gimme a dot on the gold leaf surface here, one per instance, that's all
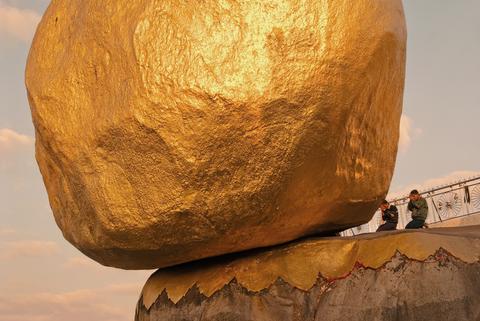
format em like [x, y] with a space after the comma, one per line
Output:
[170, 131]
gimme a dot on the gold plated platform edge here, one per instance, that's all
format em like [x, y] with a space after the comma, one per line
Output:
[301, 263]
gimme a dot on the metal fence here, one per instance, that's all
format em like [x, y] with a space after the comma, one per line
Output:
[445, 203]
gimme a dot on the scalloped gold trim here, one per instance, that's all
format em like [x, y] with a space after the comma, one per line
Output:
[300, 263]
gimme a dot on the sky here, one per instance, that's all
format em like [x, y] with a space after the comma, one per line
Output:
[43, 278]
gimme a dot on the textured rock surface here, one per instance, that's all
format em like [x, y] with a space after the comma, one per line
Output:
[441, 288]
[395, 276]
[169, 131]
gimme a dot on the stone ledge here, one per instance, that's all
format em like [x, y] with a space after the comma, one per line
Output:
[440, 288]
[301, 263]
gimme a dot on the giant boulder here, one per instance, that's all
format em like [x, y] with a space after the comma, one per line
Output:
[169, 131]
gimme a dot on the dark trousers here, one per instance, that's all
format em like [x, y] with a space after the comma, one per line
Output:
[388, 226]
[415, 223]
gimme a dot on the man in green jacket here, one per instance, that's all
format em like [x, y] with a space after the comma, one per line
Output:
[419, 208]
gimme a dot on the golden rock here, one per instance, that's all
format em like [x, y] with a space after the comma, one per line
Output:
[169, 131]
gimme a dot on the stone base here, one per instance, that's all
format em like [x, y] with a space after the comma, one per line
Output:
[439, 287]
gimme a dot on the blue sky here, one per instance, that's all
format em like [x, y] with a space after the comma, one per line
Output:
[46, 279]
[442, 96]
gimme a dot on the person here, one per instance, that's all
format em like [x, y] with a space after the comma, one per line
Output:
[389, 216]
[419, 208]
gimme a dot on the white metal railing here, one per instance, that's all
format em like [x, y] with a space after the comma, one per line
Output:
[445, 202]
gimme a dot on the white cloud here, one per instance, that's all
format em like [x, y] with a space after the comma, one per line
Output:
[125, 289]
[407, 133]
[74, 306]
[451, 178]
[88, 304]
[7, 231]
[27, 249]
[18, 23]
[10, 138]
[82, 262]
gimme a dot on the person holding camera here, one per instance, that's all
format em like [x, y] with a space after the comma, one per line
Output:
[389, 216]
[419, 208]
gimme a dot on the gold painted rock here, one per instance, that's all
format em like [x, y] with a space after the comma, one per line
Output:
[169, 131]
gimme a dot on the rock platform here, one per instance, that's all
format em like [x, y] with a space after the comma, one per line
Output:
[430, 274]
